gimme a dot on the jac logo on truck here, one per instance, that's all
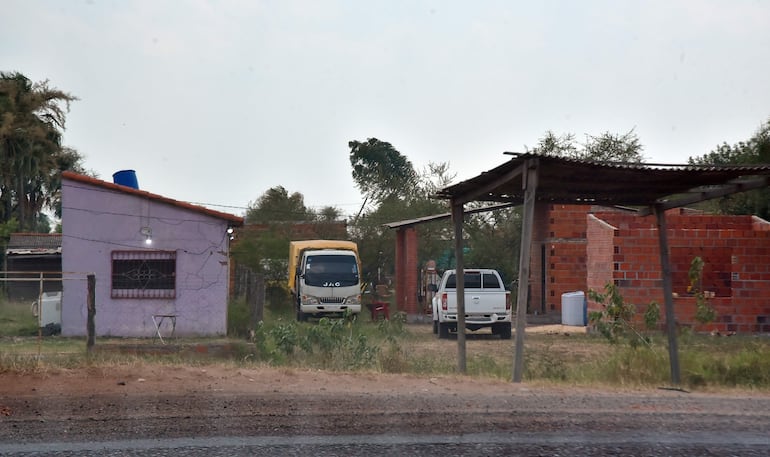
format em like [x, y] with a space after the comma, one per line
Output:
[332, 284]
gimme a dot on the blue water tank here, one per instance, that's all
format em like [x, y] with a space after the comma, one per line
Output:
[125, 178]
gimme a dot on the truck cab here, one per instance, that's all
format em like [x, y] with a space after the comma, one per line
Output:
[325, 278]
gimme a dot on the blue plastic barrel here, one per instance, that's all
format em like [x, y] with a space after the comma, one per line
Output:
[125, 178]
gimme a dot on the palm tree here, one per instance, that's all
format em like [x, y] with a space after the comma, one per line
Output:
[32, 117]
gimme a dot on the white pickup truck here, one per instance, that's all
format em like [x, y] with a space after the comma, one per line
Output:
[487, 303]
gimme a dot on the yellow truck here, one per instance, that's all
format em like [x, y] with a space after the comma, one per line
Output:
[324, 277]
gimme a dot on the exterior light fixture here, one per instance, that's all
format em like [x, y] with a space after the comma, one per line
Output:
[147, 232]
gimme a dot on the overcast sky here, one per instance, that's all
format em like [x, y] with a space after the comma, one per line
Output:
[217, 101]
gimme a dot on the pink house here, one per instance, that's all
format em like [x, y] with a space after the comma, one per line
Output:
[151, 256]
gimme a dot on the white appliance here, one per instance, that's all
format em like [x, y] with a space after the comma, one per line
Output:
[49, 310]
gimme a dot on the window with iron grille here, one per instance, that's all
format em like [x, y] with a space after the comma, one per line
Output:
[143, 274]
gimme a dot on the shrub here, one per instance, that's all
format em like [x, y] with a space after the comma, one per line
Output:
[614, 320]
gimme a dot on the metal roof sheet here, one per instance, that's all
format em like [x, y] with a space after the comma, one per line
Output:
[564, 180]
[34, 241]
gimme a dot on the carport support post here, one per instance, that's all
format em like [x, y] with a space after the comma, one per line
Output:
[668, 296]
[457, 218]
[529, 183]
[91, 308]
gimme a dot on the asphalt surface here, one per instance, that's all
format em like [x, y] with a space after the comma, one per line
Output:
[522, 421]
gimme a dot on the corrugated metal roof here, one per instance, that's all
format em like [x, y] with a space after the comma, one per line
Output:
[564, 180]
[34, 241]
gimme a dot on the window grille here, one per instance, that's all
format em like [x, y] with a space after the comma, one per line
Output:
[143, 274]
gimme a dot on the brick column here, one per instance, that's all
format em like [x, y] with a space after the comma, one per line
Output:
[407, 271]
[400, 266]
[408, 301]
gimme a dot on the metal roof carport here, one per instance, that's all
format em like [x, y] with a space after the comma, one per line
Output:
[531, 178]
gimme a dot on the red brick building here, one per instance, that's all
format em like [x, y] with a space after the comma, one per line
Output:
[580, 247]
[583, 247]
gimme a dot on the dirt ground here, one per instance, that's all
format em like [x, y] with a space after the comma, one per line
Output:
[152, 378]
[144, 400]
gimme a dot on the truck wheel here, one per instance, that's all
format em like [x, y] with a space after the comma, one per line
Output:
[443, 330]
[435, 327]
[504, 330]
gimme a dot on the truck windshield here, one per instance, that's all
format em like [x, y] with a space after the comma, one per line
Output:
[331, 271]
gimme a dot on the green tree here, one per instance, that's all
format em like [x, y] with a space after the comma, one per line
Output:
[380, 171]
[329, 214]
[276, 205]
[494, 241]
[557, 145]
[32, 119]
[607, 147]
[755, 150]
[411, 199]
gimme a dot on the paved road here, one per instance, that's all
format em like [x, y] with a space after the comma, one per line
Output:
[526, 444]
[527, 422]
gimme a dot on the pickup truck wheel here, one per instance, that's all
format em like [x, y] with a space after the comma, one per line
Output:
[443, 330]
[504, 330]
[435, 327]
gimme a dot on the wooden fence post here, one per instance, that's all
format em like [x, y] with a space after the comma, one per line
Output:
[91, 305]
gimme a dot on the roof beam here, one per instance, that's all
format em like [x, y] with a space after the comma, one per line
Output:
[497, 182]
[717, 192]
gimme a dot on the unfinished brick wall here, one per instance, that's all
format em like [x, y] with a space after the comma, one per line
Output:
[735, 251]
[558, 256]
[600, 257]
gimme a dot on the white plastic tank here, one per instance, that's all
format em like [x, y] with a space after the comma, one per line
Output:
[49, 312]
[574, 310]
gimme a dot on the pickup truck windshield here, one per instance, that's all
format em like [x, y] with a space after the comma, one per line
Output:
[331, 271]
[475, 280]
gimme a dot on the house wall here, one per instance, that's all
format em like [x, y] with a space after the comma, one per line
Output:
[97, 221]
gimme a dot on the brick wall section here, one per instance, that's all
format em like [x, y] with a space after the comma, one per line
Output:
[735, 249]
[600, 255]
[400, 263]
[540, 229]
[759, 224]
[559, 237]
[408, 301]
[407, 272]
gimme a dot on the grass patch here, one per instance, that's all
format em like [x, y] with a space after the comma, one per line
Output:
[356, 343]
[16, 319]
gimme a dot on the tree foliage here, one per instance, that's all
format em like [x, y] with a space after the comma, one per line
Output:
[494, 240]
[606, 147]
[276, 204]
[755, 150]
[411, 199]
[32, 119]
[380, 171]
